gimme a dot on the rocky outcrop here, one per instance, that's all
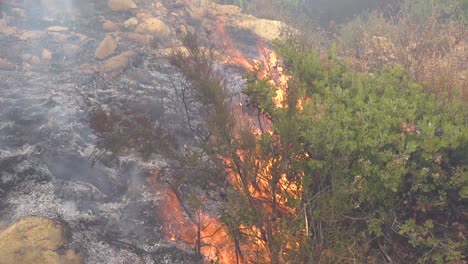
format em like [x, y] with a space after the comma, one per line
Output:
[34, 240]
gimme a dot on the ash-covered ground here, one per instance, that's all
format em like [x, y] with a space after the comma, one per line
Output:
[55, 75]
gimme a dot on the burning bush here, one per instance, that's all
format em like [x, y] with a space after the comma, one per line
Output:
[378, 163]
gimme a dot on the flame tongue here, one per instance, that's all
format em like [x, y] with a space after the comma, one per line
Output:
[236, 57]
[274, 70]
[216, 243]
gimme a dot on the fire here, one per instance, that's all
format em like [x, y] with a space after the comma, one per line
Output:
[228, 45]
[210, 231]
[214, 236]
[275, 71]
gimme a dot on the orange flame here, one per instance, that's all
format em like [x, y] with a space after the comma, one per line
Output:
[213, 234]
[176, 225]
[228, 45]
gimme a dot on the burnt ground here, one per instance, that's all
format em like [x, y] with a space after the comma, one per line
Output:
[46, 144]
[73, 141]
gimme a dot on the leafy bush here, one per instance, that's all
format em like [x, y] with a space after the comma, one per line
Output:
[378, 160]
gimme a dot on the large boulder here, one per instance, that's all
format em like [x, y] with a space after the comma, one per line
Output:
[121, 5]
[36, 240]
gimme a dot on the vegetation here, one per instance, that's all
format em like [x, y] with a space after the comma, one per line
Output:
[382, 164]
[366, 160]
[357, 167]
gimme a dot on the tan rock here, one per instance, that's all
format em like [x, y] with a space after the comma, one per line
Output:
[32, 35]
[121, 5]
[26, 57]
[81, 37]
[35, 60]
[46, 56]
[267, 29]
[131, 23]
[143, 15]
[160, 8]
[114, 66]
[57, 28]
[182, 30]
[107, 47]
[139, 38]
[59, 36]
[35, 240]
[8, 31]
[153, 26]
[227, 9]
[18, 13]
[110, 26]
[196, 11]
[88, 68]
[6, 65]
[167, 52]
[71, 50]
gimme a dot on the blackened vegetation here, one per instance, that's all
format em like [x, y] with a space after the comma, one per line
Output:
[203, 93]
[203, 97]
[120, 130]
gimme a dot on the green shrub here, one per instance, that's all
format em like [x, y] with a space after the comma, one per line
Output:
[380, 152]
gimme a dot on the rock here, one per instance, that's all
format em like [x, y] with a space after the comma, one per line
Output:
[196, 11]
[26, 57]
[227, 9]
[32, 35]
[182, 30]
[110, 26]
[160, 9]
[267, 29]
[139, 38]
[107, 47]
[141, 16]
[71, 50]
[80, 36]
[59, 36]
[114, 66]
[88, 68]
[153, 26]
[167, 52]
[35, 240]
[46, 56]
[131, 23]
[6, 65]
[57, 29]
[8, 31]
[121, 5]
[35, 60]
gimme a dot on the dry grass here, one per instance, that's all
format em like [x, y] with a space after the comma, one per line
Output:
[434, 53]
